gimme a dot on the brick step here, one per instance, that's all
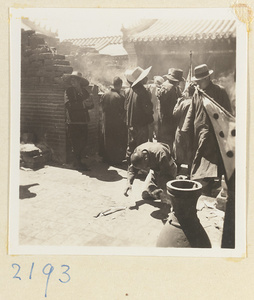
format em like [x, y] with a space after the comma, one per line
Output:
[59, 62]
[59, 56]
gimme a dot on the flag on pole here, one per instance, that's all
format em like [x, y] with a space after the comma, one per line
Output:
[188, 79]
[224, 128]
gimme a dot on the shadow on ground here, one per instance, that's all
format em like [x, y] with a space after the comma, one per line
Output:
[101, 172]
[24, 192]
[97, 169]
[160, 214]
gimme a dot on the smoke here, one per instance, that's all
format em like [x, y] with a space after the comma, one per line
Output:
[100, 70]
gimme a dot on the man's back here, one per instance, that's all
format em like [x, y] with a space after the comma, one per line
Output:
[113, 105]
[167, 94]
[219, 94]
[159, 154]
[139, 106]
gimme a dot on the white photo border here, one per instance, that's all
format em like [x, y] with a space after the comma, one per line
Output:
[241, 121]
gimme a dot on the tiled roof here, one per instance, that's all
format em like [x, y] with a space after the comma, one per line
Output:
[165, 30]
[27, 24]
[97, 42]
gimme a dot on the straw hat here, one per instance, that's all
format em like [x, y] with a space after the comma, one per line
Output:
[201, 72]
[136, 75]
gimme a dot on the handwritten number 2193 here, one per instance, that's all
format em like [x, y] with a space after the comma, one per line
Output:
[47, 270]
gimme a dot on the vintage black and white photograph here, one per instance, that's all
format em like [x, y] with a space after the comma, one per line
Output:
[127, 132]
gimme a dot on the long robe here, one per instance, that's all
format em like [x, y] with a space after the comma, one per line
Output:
[139, 110]
[167, 95]
[113, 127]
[207, 161]
[77, 105]
[182, 145]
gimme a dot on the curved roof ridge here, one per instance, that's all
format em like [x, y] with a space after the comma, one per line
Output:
[177, 29]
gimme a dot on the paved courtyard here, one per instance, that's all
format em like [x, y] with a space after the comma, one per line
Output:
[61, 207]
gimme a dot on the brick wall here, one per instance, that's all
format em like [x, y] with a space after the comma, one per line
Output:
[42, 97]
[42, 113]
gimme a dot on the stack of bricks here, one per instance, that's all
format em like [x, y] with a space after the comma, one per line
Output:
[40, 64]
[31, 157]
[42, 92]
[42, 96]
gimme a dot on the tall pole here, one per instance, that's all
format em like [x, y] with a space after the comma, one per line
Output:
[190, 64]
[189, 77]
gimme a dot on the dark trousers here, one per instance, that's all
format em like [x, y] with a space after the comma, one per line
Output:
[154, 180]
[78, 134]
[166, 134]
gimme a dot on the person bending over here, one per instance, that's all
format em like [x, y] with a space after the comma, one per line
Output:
[156, 159]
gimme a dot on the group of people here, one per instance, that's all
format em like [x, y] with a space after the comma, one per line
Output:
[144, 113]
[156, 128]
[184, 136]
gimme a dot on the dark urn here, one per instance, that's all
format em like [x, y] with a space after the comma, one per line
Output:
[183, 228]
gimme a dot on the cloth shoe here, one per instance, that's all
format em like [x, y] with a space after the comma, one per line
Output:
[154, 195]
[147, 196]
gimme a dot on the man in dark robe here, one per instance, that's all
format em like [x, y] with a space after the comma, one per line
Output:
[168, 94]
[114, 127]
[77, 104]
[182, 145]
[139, 109]
[208, 162]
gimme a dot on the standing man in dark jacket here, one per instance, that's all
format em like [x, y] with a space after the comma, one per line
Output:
[77, 104]
[168, 95]
[139, 109]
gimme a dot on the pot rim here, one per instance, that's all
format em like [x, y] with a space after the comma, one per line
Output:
[171, 187]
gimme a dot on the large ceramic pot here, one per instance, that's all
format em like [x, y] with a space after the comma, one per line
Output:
[183, 228]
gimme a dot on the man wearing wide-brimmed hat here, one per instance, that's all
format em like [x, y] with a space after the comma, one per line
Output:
[139, 108]
[202, 78]
[168, 95]
[77, 104]
[207, 164]
[67, 78]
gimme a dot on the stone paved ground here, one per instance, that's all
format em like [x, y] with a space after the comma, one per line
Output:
[58, 205]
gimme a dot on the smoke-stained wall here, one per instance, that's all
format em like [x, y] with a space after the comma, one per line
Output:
[218, 55]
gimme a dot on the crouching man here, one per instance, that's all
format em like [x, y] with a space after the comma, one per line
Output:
[156, 159]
